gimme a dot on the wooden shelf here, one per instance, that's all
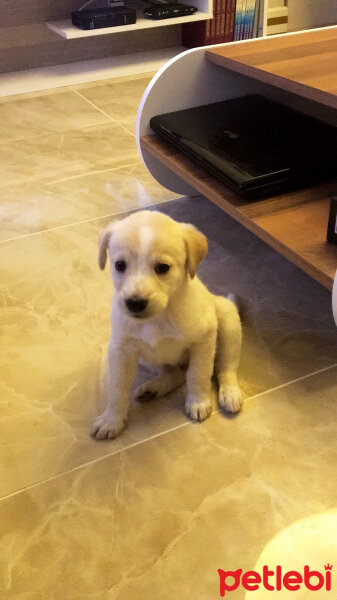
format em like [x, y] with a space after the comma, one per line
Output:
[294, 223]
[304, 64]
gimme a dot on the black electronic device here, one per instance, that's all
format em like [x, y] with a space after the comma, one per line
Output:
[256, 146]
[168, 10]
[110, 16]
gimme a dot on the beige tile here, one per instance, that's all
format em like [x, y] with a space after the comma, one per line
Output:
[74, 88]
[158, 520]
[119, 99]
[62, 155]
[46, 113]
[31, 207]
[35, 94]
[113, 80]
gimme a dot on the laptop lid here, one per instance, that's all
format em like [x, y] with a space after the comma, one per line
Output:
[252, 143]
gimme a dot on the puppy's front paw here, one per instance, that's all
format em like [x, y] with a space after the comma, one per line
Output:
[107, 426]
[198, 409]
[230, 398]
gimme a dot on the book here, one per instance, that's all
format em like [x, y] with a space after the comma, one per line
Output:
[256, 18]
[204, 33]
[212, 24]
[244, 27]
[250, 19]
[218, 22]
[220, 18]
[230, 20]
[222, 21]
[260, 25]
[238, 19]
[196, 34]
[243, 20]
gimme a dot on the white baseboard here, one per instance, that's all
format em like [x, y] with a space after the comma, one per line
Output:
[82, 72]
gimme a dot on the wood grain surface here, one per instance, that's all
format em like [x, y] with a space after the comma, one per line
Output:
[303, 63]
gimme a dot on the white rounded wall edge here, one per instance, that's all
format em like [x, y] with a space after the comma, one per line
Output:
[334, 299]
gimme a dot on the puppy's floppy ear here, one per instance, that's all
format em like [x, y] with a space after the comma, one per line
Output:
[196, 247]
[103, 243]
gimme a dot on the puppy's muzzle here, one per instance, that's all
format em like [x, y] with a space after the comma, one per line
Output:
[136, 305]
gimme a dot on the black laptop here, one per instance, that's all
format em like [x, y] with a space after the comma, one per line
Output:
[255, 145]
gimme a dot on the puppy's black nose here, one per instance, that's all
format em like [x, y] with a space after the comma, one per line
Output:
[136, 305]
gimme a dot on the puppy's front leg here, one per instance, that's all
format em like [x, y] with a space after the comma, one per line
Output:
[122, 368]
[198, 405]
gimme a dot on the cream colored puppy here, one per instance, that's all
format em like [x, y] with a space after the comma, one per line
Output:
[163, 314]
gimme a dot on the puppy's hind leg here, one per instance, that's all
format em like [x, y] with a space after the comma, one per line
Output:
[228, 354]
[168, 379]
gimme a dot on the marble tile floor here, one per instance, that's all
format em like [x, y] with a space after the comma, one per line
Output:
[153, 514]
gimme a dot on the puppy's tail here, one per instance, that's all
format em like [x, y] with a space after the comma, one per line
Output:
[236, 300]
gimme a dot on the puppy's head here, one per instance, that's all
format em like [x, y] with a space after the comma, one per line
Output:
[151, 256]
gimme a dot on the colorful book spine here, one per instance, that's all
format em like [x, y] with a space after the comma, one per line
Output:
[249, 19]
[243, 20]
[238, 19]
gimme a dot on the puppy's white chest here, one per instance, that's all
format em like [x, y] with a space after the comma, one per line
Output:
[153, 333]
[161, 343]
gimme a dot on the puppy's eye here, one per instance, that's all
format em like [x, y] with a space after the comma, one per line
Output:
[120, 265]
[162, 268]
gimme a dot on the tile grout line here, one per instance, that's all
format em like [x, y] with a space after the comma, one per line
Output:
[92, 462]
[48, 133]
[44, 134]
[103, 112]
[89, 173]
[122, 212]
[291, 382]
[160, 434]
